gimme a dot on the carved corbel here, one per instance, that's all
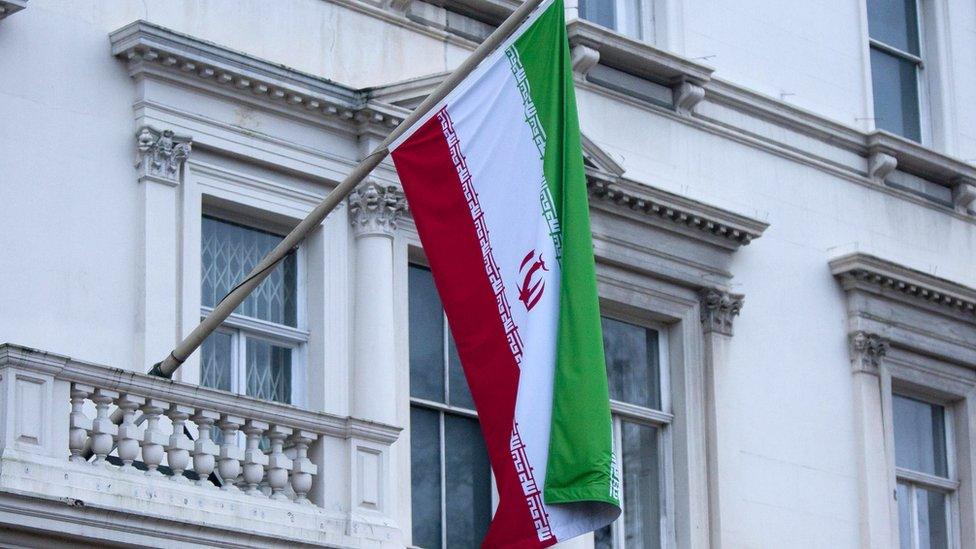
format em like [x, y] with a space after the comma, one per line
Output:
[686, 96]
[375, 208]
[161, 155]
[867, 350]
[880, 165]
[584, 58]
[964, 195]
[718, 309]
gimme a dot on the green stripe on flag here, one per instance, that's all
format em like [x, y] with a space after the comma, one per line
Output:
[581, 459]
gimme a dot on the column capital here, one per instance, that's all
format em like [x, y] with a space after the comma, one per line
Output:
[161, 155]
[718, 309]
[375, 208]
[867, 350]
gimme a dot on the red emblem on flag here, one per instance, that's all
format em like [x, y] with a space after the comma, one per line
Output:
[530, 293]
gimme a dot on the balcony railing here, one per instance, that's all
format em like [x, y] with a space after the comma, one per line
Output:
[121, 441]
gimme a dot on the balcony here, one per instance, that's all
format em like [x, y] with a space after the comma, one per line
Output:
[89, 452]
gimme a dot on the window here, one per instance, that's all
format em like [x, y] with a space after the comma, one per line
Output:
[451, 490]
[639, 399]
[257, 350]
[896, 64]
[624, 16]
[923, 471]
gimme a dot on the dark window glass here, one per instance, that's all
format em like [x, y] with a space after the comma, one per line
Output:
[896, 104]
[268, 371]
[933, 527]
[920, 441]
[426, 336]
[600, 12]
[894, 22]
[215, 361]
[460, 394]
[228, 253]
[642, 491]
[425, 477]
[468, 482]
[633, 367]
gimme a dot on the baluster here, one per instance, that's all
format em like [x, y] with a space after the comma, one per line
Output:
[254, 458]
[229, 465]
[79, 423]
[302, 468]
[204, 449]
[129, 434]
[103, 430]
[153, 439]
[178, 449]
[278, 462]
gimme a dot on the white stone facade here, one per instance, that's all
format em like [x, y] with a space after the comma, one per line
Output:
[803, 267]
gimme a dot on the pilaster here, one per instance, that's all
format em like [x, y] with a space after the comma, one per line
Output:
[160, 160]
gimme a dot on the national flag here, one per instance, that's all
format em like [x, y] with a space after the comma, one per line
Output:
[495, 181]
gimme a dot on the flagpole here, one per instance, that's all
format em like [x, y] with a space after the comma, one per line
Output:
[236, 296]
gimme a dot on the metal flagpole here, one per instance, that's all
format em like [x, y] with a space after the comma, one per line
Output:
[230, 302]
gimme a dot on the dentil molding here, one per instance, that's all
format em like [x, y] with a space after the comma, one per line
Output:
[161, 155]
[718, 309]
[375, 208]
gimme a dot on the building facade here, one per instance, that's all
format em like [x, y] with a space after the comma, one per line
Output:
[783, 201]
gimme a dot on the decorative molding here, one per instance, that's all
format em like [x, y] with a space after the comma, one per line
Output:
[375, 208]
[687, 96]
[718, 226]
[718, 309]
[10, 7]
[880, 165]
[919, 160]
[867, 350]
[879, 276]
[151, 49]
[584, 58]
[161, 155]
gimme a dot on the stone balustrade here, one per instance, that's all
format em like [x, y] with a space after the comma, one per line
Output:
[115, 439]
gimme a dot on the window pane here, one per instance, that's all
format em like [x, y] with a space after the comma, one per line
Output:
[603, 538]
[229, 252]
[894, 22]
[920, 443]
[600, 12]
[632, 363]
[904, 517]
[268, 371]
[932, 524]
[425, 477]
[641, 487]
[629, 18]
[215, 361]
[468, 482]
[895, 85]
[460, 393]
[426, 336]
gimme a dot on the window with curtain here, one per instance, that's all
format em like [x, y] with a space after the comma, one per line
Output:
[624, 16]
[637, 375]
[896, 65]
[255, 351]
[451, 493]
[924, 472]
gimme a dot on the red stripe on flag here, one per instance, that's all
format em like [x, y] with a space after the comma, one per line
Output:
[484, 340]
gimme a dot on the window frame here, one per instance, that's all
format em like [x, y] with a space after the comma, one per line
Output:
[934, 382]
[241, 328]
[649, 30]
[662, 419]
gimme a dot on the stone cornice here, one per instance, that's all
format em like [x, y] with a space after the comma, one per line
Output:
[149, 48]
[10, 7]
[115, 379]
[715, 225]
[879, 276]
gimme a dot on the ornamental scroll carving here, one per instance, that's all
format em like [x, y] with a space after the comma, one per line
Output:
[867, 351]
[161, 155]
[718, 309]
[375, 208]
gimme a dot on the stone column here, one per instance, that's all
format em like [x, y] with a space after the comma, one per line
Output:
[876, 500]
[718, 309]
[374, 208]
[160, 159]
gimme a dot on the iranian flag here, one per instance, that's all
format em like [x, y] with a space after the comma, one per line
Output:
[494, 177]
